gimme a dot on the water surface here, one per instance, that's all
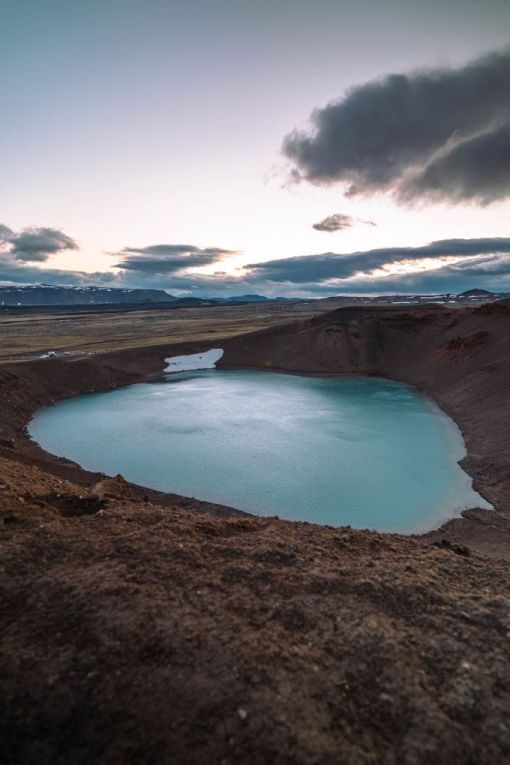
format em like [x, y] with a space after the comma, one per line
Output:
[359, 451]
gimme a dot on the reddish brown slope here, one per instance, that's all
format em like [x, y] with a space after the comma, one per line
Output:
[148, 635]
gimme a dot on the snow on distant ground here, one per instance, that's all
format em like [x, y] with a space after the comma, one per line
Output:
[55, 354]
[205, 360]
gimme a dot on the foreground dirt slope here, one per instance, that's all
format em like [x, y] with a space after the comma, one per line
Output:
[141, 634]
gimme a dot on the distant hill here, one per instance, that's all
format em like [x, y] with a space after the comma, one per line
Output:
[476, 293]
[258, 299]
[53, 295]
[47, 294]
[246, 299]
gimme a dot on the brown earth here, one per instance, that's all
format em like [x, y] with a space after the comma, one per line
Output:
[139, 627]
[27, 333]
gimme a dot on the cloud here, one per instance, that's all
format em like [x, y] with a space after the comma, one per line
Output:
[19, 250]
[489, 272]
[16, 273]
[161, 266]
[422, 134]
[168, 258]
[329, 265]
[34, 244]
[452, 266]
[339, 222]
[494, 276]
[476, 169]
[5, 234]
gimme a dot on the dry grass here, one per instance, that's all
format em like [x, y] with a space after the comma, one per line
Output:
[28, 335]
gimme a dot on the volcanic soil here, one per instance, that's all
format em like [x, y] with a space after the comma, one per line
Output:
[139, 627]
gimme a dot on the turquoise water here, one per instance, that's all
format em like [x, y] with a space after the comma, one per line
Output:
[363, 452]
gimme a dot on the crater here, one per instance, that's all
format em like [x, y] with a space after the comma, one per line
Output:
[355, 451]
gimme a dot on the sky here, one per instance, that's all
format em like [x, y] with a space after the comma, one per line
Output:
[219, 147]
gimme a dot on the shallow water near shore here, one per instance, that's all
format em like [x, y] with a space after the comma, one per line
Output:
[364, 452]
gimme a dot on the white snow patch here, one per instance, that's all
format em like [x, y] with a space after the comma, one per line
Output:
[204, 360]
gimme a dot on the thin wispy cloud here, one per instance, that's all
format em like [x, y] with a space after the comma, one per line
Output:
[330, 265]
[340, 222]
[440, 134]
[169, 258]
[451, 265]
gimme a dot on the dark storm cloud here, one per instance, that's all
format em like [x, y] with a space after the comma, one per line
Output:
[489, 272]
[18, 250]
[339, 222]
[426, 133]
[34, 244]
[476, 169]
[329, 265]
[18, 273]
[168, 258]
[5, 234]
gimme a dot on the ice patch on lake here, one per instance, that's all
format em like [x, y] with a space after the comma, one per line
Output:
[193, 361]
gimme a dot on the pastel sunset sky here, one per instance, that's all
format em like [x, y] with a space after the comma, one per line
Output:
[285, 147]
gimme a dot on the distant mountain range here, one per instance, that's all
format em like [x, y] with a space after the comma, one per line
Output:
[48, 294]
[52, 295]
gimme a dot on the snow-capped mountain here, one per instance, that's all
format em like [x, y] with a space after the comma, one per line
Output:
[49, 294]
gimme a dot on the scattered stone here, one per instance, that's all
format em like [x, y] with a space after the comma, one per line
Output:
[115, 488]
[456, 548]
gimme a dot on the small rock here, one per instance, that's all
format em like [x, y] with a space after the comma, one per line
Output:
[243, 714]
[458, 549]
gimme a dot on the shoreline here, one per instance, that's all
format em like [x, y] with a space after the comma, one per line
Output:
[128, 368]
[17, 445]
[459, 497]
